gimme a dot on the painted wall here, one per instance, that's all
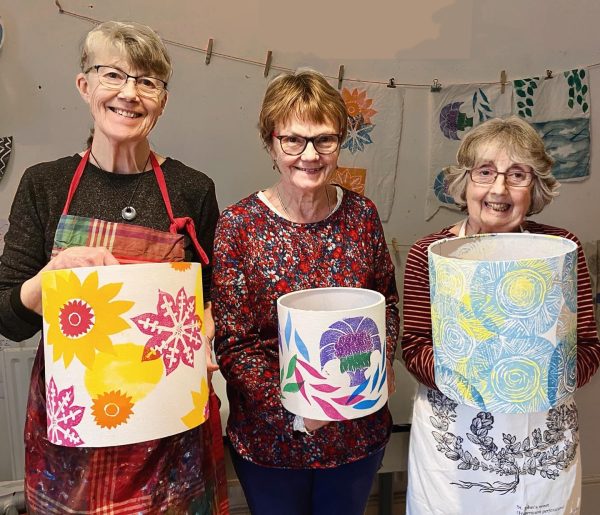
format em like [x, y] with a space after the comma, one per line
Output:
[210, 120]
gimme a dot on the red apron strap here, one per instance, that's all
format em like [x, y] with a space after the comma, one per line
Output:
[177, 224]
[75, 180]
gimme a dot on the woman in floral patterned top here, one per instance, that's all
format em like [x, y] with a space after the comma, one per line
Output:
[300, 233]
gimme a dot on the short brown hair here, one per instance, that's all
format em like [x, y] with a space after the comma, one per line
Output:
[522, 143]
[305, 94]
[138, 43]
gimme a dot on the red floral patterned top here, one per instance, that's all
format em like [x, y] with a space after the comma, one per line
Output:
[258, 257]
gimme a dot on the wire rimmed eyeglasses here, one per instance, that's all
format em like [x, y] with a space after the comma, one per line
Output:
[296, 145]
[114, 78]
[517, 178]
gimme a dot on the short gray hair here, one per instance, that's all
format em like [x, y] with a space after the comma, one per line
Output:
[522, 142]
[138, 43]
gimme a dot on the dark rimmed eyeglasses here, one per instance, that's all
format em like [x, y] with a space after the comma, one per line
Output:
[515, 177]
[114, 78]
[295, 145]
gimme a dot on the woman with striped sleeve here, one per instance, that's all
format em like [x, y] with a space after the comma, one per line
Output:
[462, 457]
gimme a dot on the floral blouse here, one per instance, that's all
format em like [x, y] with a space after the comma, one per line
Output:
[258, 257]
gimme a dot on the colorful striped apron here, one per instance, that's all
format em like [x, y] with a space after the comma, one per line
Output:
[180, 474]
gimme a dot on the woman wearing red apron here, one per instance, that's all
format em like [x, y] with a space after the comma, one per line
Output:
[123, 204]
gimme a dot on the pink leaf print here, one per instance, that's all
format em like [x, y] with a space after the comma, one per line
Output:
[310, 369]
[328, 409]
[348, 400]
[174, 330]
[62, 416]
[300, 381]
[325, 388]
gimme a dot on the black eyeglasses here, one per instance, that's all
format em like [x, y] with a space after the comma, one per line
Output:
[515, 177]
[295, 145]
[114, 78]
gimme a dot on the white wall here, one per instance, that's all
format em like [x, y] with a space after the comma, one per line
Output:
[210, 121]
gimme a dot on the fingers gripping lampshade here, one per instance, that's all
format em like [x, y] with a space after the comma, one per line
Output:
[504, 320]
[332, 352]
[125, 361]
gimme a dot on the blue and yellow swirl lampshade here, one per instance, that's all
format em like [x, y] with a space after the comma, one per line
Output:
[504, 320]
[332, 352]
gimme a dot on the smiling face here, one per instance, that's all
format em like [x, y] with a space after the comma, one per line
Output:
[120, 115]
[310, 170]
[497, 207]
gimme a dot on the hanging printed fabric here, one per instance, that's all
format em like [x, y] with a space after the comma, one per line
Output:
[124, 356]
[369, 154]
[456, 110]
[5, 150]
[559, 109]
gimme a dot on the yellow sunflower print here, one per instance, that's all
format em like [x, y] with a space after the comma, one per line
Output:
[81, 316]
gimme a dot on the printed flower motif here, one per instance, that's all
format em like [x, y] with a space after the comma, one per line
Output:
[440, 189]
[181, 266]
[452, 120]
[562, 375]
[358, 134]
[358, 104]
[112, 409]
[81, 316]
[200, 411]
[350, 178]
[352, 341]
[174, 330]
[512, 373]
[519, 298]
[62, 416]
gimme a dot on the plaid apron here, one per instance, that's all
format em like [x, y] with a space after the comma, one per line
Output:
[179, 474]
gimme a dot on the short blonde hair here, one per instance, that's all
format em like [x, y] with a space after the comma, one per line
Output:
[305, 94]
[138, 43]
[522, 143]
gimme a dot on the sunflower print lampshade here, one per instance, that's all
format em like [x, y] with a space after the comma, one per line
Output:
[125, 360]
[332, 352]
[504, 320]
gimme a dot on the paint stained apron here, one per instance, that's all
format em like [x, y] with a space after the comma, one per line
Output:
[180, 474]
[463, 460]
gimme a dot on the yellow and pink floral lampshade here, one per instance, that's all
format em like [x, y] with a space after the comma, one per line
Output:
[504, 320]
[332, 352]
[125, 361]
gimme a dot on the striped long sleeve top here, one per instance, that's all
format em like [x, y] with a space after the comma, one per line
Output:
[417, 341]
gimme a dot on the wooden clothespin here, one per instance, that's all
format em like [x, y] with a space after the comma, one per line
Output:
[391, 83]
[502, 81]
[395, 246]
[268, 63]
[340, 76]
[209, 49]
[60, 9]
[548, 75]
[436, 86]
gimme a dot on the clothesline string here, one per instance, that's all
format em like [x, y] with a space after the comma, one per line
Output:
[262, 64]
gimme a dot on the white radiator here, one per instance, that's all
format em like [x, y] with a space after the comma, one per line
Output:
[15, 371]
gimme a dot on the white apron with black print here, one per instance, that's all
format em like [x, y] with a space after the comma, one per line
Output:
[462, 460]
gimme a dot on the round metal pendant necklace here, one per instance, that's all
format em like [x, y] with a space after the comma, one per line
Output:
[128, 213]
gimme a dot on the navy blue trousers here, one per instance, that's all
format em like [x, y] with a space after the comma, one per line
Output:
[342, 490]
